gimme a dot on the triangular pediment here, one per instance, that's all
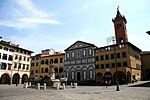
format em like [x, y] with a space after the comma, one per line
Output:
[79, 44]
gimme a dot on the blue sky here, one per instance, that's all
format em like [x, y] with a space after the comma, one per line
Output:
[57, 24]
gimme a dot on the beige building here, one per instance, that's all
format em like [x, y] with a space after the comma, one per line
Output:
[145, 60]
[42, 64]
[14, 63]
[124, 59]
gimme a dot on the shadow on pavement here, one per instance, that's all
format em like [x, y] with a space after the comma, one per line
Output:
[146, 84]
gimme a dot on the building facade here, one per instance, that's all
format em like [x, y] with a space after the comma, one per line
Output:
[42, 64]
[145, 60]
[79, 63]
[14, 63]
[118, 62]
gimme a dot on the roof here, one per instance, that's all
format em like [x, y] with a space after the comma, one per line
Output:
[145, 52]
[13, 45]
[133, 46]
[92, 45]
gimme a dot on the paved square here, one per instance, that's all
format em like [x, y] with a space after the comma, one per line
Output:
[127, 92]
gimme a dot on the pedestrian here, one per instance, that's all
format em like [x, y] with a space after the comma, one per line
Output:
[106, 83]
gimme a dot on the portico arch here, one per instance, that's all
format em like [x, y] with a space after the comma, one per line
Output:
[5, 79]
[16, 78]
[24, 78]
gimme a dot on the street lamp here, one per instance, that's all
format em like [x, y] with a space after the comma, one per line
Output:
[112, 39]
[148, 32]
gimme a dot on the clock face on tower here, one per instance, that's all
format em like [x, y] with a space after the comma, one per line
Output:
[119, 26]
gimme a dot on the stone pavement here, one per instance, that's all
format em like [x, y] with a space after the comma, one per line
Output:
[127, 92]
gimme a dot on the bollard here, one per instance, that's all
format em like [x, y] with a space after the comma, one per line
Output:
[29, 83]
[57, 86]
[44, 86]
[71, 84]
[38, 86]
[25, 85]
[63, 86]
[75, 85]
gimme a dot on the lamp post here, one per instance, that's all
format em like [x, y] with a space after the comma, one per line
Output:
[148, 32]
[112, 39]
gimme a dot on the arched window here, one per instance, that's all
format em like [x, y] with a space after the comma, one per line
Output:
[60, 69]
[42, 62]
[46, 62]
[56, 60]
[46, 70]
[56, 69]
[51, 61]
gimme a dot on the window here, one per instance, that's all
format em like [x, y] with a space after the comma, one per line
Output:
[102, 57]
[102, 66]
[11, 50]
[9, 66]
[112, 56]
[1, 47]
[28, 59]
[42, 62]
[5, 48]
[61, 60]
[37, 63]
[91, 74]
[125, 64]
[97, 58]
[33, 58]
[67, 55]
[73, 54]
[10, 58]
[119, 26]
[107, 66]
[19, 67]
[0, 55]
[3, 66]
[36, 71]
[124, 54]
[72, 74]
[15, 65]
[46, 62]
[51, 61]
[84, 53]
[84, 75]
[20, 58]
[96, 66]
[60, 70]
[32, 64]
[56, 60]
[46, 70]
[23, 66]
[37, 58]
[119, 64]
[24, 58]
[106, 57]
[16, 56]
[4, 56]
[90, 52]
[42, 70]
[27, 67]
[118, 55]
[112, 64]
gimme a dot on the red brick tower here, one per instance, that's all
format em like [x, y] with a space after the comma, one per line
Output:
[120, 28]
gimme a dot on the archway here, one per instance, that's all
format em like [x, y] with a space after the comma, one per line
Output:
[108, 77]
[56, 70]
[24, 78]
[16, 78]
[99, 78]
[5, 79]
[128, 77]
[120, 78]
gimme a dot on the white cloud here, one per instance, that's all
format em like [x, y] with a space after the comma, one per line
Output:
[25, 15]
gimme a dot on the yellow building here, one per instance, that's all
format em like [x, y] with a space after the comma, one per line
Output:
[42, 64]
[124, 59]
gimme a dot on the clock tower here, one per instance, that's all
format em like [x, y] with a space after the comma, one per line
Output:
[120, 28]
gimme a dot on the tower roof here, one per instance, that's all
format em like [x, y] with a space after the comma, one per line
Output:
[119, 16]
